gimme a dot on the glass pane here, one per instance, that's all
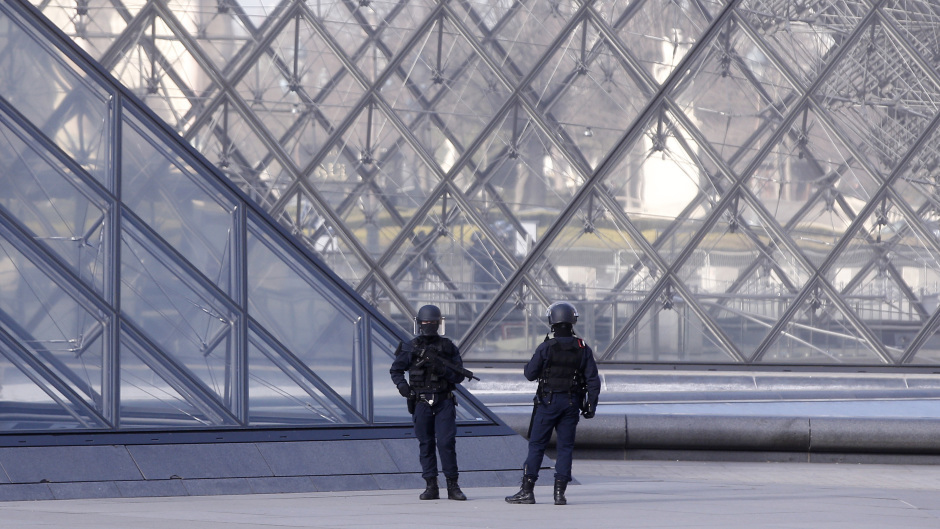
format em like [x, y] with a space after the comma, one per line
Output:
[387, 404]
[281, 392]
[28, 405]
[819, 332]
[669, 330]
[55, 206]
[177, 202]
[514, 329]
[148, 400]
[57, 329]
[887, 87]
[187, 321]
[310, 319]
[57, 97]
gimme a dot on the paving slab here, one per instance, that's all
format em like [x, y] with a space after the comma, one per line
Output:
[611, 494]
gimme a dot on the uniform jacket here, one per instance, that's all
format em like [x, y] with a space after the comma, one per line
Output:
[404, 358]
[533, 370]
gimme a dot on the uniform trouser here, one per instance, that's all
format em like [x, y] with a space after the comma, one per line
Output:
[561, 414]
[436, 428]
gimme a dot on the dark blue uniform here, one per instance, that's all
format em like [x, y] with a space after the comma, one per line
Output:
[435, 415]
[559, 410]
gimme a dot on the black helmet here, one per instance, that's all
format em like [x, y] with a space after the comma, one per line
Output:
[428, 320]
[562, 312]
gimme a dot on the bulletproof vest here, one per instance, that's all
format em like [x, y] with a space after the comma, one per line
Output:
[562, 371]
[421, 375]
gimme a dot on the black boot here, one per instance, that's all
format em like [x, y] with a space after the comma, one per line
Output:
[560, 486]
[526, 493]
[453, 490]
[431, 492]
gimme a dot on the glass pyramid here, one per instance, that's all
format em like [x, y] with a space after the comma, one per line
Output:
[755, 180]
[143, 290]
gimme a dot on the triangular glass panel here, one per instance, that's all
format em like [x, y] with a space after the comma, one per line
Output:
[884, 274]
[353, 25]
[667, 329]
[31, 404]
[442, 71]
[916, 19]
[57, 208]
[93, 30]
[513, 330]
[305, 219]
[450, 259]
[883, 300]
[228, 141]
[299, 89]
[150, 400]
[732, 91]
[168, 193]
[880, 97]
[823, 223]
[73, 111]
[739, 276]
[517, 41]
[387, 404]
[584, 80]
[160, 70]
[461, 111]
[820, 332]
[190, 323]
[928, 354]
[520, 165]
[221, 32]
[659, 33]
[918, 183]
[310, 317]
[52, 321]
[282, 391]
[665, 187]
[796, 32]
[812, 185]
[596, 258]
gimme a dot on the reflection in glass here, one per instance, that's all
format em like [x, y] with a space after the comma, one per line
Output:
[737, 151]
[302, 312]
[57, 97]
[187, 212]
[281, 390]
[189, 322]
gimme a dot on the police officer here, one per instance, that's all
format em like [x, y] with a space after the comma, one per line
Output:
[433, 364]
[568, 385]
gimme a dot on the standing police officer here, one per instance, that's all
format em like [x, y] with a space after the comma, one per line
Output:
[568, 384]
[434, 369]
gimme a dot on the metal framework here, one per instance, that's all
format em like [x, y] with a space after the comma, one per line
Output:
[709, 181]
[142, 291]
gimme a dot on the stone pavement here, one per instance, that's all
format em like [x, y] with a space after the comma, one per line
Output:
[611, 494]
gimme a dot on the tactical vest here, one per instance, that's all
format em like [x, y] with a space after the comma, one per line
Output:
[421, 375]
[562, 370]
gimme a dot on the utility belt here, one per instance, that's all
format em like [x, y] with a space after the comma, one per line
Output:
[429, 398]
[547, 396]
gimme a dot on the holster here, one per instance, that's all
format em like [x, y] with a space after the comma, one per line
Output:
[412, 402]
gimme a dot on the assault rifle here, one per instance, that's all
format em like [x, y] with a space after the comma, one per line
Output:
[430, 355]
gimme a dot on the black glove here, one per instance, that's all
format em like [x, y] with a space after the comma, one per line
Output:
[588, 413]
[404, 389]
